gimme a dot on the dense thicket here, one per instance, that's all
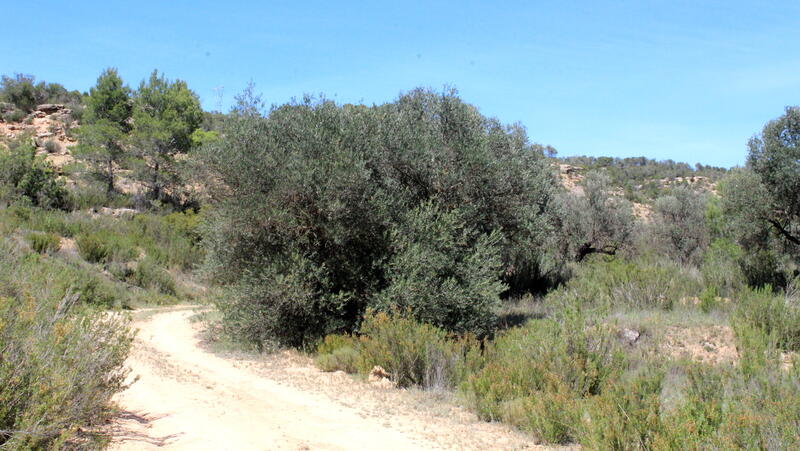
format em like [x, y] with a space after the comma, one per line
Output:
[314, 212]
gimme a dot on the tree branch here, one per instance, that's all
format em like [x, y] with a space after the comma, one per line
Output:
[782, 230]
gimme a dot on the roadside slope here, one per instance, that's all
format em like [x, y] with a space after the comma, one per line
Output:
[189, 398]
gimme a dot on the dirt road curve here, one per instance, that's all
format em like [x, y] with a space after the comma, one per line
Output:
[189, 398]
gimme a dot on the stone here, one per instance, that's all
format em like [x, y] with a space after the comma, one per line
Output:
[629, 335]
[50, 108]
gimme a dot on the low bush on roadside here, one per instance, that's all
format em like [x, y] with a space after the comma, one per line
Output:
[58, 372]
[413, 353]
[60, 362]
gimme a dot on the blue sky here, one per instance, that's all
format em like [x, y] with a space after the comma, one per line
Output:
[685, 80]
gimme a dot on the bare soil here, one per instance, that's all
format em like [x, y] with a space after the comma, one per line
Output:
[187, 397]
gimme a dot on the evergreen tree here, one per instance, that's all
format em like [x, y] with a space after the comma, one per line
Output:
[108, 120]
[166, 114]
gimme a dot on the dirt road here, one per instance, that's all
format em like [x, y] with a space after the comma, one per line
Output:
[189, 398]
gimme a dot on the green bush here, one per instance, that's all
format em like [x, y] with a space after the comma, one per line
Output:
[51, 146]
[60, 363]
[721, 267]
[93, 248]
[413, 353]
[14, 116]
[619, 284]
[338, 353]
[776, 315]
[44, 242]
[104, 246]
[536, 376]
[24, 176]
[149, 274]
[58, 372]
[443, 272]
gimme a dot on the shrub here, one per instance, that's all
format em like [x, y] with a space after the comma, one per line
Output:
[535, 376]
[29, 177]
[721, 267]
[680, 223]
[93, 248]
[619, 284]
[51, 146]
[148, 274]
[14, 116]
[104, 245]
[338, 353]
[414, 353]
[44, 242]
[58, 372]
[774, 314]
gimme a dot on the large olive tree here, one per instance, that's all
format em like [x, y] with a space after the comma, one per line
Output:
[313, 212]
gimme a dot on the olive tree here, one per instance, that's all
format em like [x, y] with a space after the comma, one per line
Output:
[775, 157]
[312, 212]
[595, 221]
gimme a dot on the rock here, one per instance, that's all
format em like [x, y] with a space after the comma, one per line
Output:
[118, 212]
[50, 108]
[629, 335]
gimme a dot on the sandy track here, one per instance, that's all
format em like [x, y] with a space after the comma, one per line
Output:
[189, 398]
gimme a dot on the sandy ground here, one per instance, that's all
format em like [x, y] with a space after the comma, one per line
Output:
[189, 398]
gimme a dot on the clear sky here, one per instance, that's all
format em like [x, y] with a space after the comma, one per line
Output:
[685, 80]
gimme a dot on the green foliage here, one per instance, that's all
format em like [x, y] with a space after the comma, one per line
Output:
[44, 243]
[595, 221]
[306, 199]
[103, 136]
[535, 376]
[778, 316]
[680, 223]
[24, 93]
[60, 362]
[413, 353]
[443, 272]
[149, 274]
[618, 284]
[23, 175]
[721, 267]
[14, 116]
[109, 101]
[709, 299]
[58, 372]
[775, 157]
[338, 353]
[93, 248]
[51, 146]
[746, 206]
[165, 116]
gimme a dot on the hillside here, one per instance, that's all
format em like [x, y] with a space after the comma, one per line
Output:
[319, 276]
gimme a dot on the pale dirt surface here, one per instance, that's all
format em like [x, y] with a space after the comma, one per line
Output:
[189, 398]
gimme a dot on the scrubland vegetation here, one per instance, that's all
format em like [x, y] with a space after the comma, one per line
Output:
[415, 235]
